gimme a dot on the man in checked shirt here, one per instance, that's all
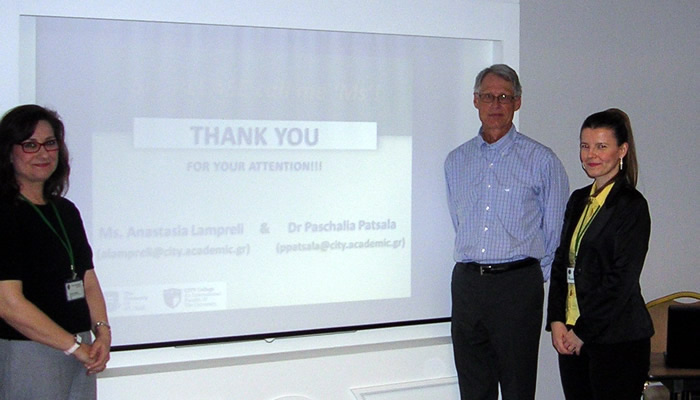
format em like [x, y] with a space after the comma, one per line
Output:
[507, 194]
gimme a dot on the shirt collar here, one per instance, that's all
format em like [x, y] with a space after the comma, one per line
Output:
[599, 199]
[501, 144]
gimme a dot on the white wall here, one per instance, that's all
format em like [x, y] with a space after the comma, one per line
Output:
[412, 363]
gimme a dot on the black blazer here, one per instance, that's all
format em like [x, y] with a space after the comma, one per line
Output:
[608, 266]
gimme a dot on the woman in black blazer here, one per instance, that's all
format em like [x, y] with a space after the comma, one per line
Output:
[596, 313]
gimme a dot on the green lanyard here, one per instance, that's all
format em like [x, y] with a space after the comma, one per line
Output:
[64, 240]
[584, 228]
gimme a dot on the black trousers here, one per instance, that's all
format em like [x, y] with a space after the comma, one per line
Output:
[496, 326]
[606, 371]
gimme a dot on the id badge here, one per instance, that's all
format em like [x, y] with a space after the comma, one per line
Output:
[570, 275]
[75, 289]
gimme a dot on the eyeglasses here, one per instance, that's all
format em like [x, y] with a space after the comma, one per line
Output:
[32, 146]
[501, 98]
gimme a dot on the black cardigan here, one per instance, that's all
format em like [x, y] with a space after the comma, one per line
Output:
[608, 266]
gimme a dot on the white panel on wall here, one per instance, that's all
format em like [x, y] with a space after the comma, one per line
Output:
[428, 389]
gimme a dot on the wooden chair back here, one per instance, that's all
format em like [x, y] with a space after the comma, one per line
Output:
[658, 309]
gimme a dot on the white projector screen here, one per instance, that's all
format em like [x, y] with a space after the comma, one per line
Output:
[241, 182]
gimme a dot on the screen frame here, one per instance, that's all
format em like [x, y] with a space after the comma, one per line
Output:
[471, 22]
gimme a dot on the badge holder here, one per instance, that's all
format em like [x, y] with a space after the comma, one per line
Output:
[75, 289]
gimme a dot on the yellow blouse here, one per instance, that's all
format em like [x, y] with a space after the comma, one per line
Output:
[594, 205]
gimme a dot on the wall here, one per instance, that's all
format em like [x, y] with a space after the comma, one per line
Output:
[386, 364]
[578, 58]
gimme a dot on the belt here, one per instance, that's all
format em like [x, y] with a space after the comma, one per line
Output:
[502, 267]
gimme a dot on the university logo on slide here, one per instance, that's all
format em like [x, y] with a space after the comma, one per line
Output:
[112, 300]
[172, 297]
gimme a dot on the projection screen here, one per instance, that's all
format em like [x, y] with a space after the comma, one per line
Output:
[240, 182]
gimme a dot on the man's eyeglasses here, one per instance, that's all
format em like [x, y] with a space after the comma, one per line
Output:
[32, 146]
[501, 98]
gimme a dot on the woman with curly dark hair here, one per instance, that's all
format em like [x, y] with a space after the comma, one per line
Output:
[51, 302]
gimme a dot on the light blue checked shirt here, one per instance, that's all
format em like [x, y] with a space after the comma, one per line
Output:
[506, 199]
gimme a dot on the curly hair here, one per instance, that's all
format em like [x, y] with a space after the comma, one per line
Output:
[18, 125]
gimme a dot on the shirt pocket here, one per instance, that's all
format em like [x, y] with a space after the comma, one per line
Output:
[516, 207]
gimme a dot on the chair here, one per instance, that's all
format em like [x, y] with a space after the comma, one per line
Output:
[658, 309]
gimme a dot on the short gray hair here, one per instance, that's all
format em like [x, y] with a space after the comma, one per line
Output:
[503, 71]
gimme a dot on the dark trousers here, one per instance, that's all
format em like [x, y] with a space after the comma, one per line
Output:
[606, 371]
[496, 326]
